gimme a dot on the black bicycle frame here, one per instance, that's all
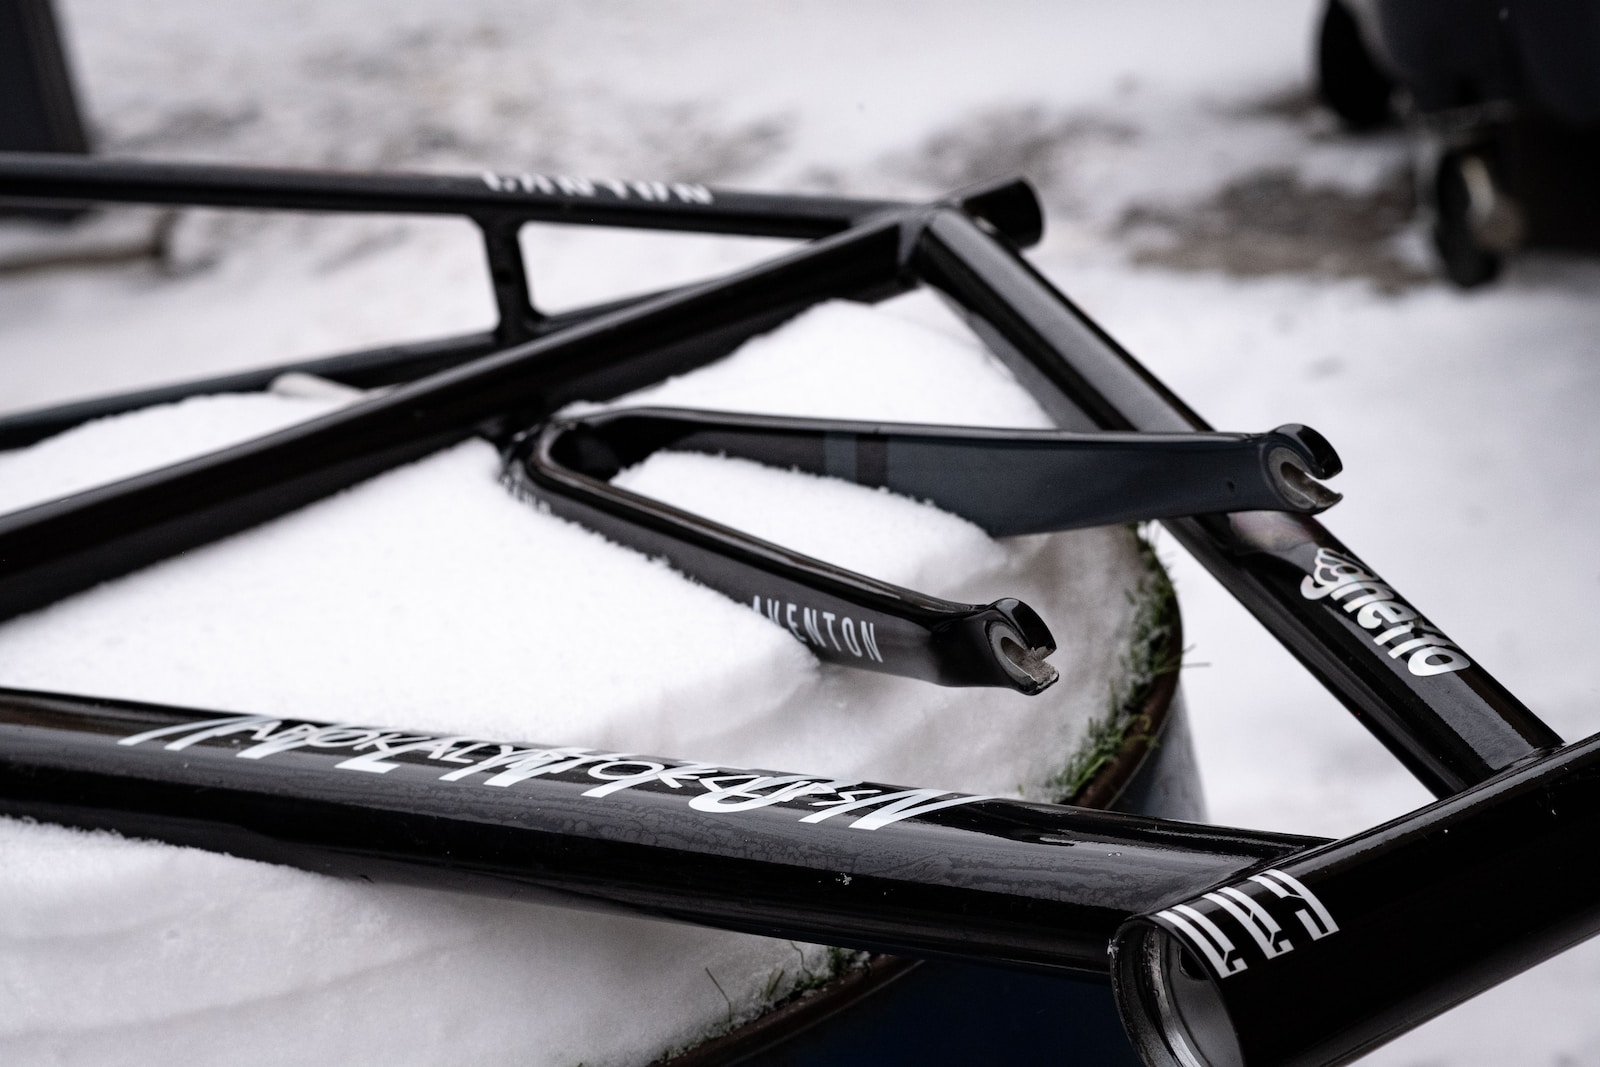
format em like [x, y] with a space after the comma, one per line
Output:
[1007, 481]
[67, 545]
[1447, 720]
[499, 205]
[841, 616]
[767, 852]
[372, 368]
[1231, 946]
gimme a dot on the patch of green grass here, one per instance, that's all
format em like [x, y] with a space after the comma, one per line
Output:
[776, 992]
[1148, 657]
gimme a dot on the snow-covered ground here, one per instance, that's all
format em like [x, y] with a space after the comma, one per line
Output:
[1255, 258]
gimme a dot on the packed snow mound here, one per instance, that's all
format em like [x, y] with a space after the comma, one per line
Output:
[430, 598]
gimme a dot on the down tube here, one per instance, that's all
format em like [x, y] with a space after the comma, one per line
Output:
[1447, 720]
[915, 871]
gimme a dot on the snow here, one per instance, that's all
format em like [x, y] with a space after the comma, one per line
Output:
[1465, 420]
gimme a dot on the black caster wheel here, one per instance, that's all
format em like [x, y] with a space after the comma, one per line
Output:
[1475, 222]
[1349, 80]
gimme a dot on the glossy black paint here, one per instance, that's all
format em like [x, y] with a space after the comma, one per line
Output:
[1450, 730]
[1008, 205]
[1034, 885]
[1009, 482]
[498, 204]
[66, 545]
[367, 369]
[1425, 911]
[50, 179]
[1025, 884]
[840, 615]
[363, 370]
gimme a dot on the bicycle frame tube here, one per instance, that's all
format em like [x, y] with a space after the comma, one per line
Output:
[60, 547]
[57, 180]
[1441, 714]
[841, 616]
[366, 369]
[1006, 481]
[1231, 947]
[810, 856]
[498, 204]
[1329, 953]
